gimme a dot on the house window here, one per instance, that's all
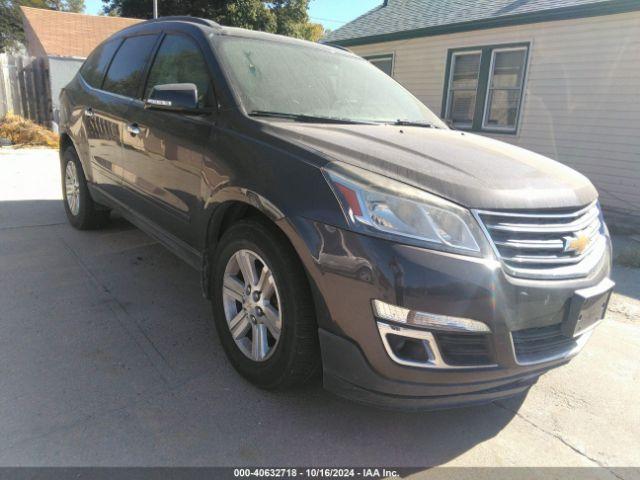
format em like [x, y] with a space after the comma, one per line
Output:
[383, 62]
[483, 91]
[505, 88]
[463, 88]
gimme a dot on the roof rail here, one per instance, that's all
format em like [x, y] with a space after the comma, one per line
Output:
[186, 18]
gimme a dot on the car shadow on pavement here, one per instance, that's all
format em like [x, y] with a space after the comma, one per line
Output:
[627, 281]
[113, 360]
[627, 278]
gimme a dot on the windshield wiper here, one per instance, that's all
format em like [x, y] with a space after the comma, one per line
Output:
[409, 123]
[300, 117]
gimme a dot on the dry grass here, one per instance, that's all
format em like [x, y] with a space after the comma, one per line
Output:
[25, 133]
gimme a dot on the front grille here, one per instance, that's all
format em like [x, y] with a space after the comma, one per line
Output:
[541, 343]
[546, 243]
[464, 349]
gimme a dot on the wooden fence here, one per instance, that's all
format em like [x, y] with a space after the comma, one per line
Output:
[24, 88]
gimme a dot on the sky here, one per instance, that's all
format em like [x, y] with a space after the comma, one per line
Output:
[330, 13]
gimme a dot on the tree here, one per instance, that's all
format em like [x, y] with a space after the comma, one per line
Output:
[76, 6]
[286, 17]
[310, 31]
[11, 33]
[250, 14]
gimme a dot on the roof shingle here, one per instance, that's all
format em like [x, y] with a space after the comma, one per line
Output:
[67, 34]
[396, 16]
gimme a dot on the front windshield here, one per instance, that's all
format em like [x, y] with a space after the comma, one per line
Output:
[317, 81]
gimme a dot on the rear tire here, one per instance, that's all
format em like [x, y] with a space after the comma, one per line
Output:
[291, 357]
[82, 212]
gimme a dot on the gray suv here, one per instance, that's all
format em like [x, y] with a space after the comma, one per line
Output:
[338, 225]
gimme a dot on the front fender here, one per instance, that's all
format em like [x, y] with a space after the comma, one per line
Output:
[231, 193]
[281, 181]
[225, 205]
[304, 236]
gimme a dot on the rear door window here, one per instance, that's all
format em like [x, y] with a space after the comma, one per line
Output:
[94, 67]
[127, 68]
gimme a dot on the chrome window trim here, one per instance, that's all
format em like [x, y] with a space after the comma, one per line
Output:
[106, 92]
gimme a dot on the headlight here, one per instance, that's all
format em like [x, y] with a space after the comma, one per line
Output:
[378, 205]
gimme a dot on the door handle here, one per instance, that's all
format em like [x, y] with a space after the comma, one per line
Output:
[88, 112]
[133, 129]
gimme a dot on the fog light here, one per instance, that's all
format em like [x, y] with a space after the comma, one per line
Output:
[394, 313]
[415, 348]
[409, 348]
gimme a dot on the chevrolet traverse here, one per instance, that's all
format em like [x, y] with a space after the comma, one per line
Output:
[339, 226]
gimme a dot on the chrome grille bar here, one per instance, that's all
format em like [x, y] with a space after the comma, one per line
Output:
[544, 244]
[531, 244]
[541, 214]
[582, 222]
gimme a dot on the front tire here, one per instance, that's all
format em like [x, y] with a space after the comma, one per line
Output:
[82, 212]
[262, 306]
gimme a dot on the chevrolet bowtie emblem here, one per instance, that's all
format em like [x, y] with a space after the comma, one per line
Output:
[576, 243]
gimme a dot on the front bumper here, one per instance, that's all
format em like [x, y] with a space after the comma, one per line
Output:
[349, 270]
[347, 374]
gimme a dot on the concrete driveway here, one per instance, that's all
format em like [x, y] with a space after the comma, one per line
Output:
[108, 357]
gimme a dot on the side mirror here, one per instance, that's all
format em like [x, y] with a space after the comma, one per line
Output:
[175, 97]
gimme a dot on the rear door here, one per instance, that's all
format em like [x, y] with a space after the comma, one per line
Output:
[163, 161]
[106, 119]
[98, 114]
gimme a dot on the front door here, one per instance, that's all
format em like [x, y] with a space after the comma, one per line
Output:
[164, 155]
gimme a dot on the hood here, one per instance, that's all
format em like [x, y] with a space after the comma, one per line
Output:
[471, 170]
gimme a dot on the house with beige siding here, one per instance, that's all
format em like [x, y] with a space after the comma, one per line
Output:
[559, 77]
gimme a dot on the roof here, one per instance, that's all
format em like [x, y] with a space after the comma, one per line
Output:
[68, 34]
[398, 19]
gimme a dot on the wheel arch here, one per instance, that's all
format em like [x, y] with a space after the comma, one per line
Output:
[223, 210]
[228, 212]
[65, 142]
[237, 204]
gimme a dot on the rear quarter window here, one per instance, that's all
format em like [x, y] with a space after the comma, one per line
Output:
[94, 67]
[127, 68]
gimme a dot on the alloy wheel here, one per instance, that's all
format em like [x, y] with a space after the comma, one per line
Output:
[252, 305]
[72, 187]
